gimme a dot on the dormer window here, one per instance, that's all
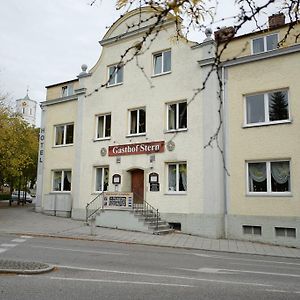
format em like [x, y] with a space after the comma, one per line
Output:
[265, 43]
[66, 90]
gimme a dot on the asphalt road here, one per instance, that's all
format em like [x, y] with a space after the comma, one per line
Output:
[102, 270]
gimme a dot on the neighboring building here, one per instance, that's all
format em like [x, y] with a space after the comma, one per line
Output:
[26, 107]
[119, 126]
[142, 125]
[262, 118]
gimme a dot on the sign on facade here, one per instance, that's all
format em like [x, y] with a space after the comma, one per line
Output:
[117, 200]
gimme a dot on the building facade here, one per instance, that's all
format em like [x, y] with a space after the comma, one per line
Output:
[137, 120]
[262, 123]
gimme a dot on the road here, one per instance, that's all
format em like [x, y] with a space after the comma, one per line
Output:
[103, 270]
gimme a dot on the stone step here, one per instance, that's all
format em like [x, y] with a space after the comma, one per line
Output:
[163, 231]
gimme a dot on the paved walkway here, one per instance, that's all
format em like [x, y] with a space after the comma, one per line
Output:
[23, 220]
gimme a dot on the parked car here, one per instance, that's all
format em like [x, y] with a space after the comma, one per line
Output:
[14, 196]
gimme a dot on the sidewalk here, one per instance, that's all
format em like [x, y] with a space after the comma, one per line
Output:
[23, 220]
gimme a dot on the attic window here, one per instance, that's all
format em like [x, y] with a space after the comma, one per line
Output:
[265, 43]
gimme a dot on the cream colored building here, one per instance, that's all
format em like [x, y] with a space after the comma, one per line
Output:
[262, 125]
[133, 119]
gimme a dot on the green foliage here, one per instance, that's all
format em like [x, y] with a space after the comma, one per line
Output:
[18, 147]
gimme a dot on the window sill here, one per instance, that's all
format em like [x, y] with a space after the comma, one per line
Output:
[176, 130]
[160, 74]
[113, 85]
[60, 192]
[278, 194]
[61, 146]
[135, 135]
[175, 193]
[267, 124]
[102, 139]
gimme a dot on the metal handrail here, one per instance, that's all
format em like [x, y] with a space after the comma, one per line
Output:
[147, 209]
[93, 207]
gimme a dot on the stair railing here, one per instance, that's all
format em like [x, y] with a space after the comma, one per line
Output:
[93, 207]
[146, 209]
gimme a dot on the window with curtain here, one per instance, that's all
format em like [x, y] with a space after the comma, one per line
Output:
[137, 121]
[62, 180]
[269, 177]
[267, 108]
[177, 177]
[103, 126]
[102, 179]
[265, 43]
[115, 74]
[162, 62]
[64, 134]
[177, 116]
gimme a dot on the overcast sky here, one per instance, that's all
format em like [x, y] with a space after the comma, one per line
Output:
[46, 41]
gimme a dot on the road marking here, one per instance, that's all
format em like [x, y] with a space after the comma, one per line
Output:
[83, 251]
[280, 291]
[19, 240]
[8, 245]
[26, 237]
[111, 281]
[2, 250]
[163, 275]
[242, 259]
[212, 270]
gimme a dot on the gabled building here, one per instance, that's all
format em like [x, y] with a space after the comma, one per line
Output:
[136, 123]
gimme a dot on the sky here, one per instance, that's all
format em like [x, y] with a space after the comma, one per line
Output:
[43, 42]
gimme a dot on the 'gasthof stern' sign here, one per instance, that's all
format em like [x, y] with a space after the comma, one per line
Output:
[138, 148]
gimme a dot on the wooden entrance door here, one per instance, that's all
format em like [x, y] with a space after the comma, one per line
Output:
[137, 185]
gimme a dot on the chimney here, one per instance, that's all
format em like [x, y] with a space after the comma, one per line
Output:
[224, 34]
[276, 20]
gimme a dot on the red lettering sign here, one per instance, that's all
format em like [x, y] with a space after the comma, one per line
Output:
[138, 148]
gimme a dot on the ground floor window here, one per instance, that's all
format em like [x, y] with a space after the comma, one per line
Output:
[177, 177]
[102, 177]
[62, 180]
[269, 177]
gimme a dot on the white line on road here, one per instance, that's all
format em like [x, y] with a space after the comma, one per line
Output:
[163, 275]
[19, 240]
[111, 281]
[280, 291]
[2, 250]
[26, 237]
[77, 250]
[243, 259]
[8, 245]
[216, 271]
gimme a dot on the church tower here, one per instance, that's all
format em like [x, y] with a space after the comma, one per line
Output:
[26, 107]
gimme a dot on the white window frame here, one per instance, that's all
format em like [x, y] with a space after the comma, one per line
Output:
[269, 179]
[115, 75]
[104, 127]
[65, 136]
[162, 72]
[69, 90]
[138, 121]
[102, 183]
[265, 43]
[177, 116]
[62, 181]
[266, 108]
[177, 163]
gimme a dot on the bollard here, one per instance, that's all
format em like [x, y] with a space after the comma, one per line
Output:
[93, 226]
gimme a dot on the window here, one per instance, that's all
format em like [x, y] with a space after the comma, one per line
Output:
[177, 177]
[285, 232]
[115, 75]
[67, 90]
[103, 126]
[177, 116]
[162, 62]
[102, 175]
[62, 181]
[64, 134]
[30, 111]
[252, 230]
[265, 43]
[137, 119]
[23, 110]
[269, 177]
[267, 108]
